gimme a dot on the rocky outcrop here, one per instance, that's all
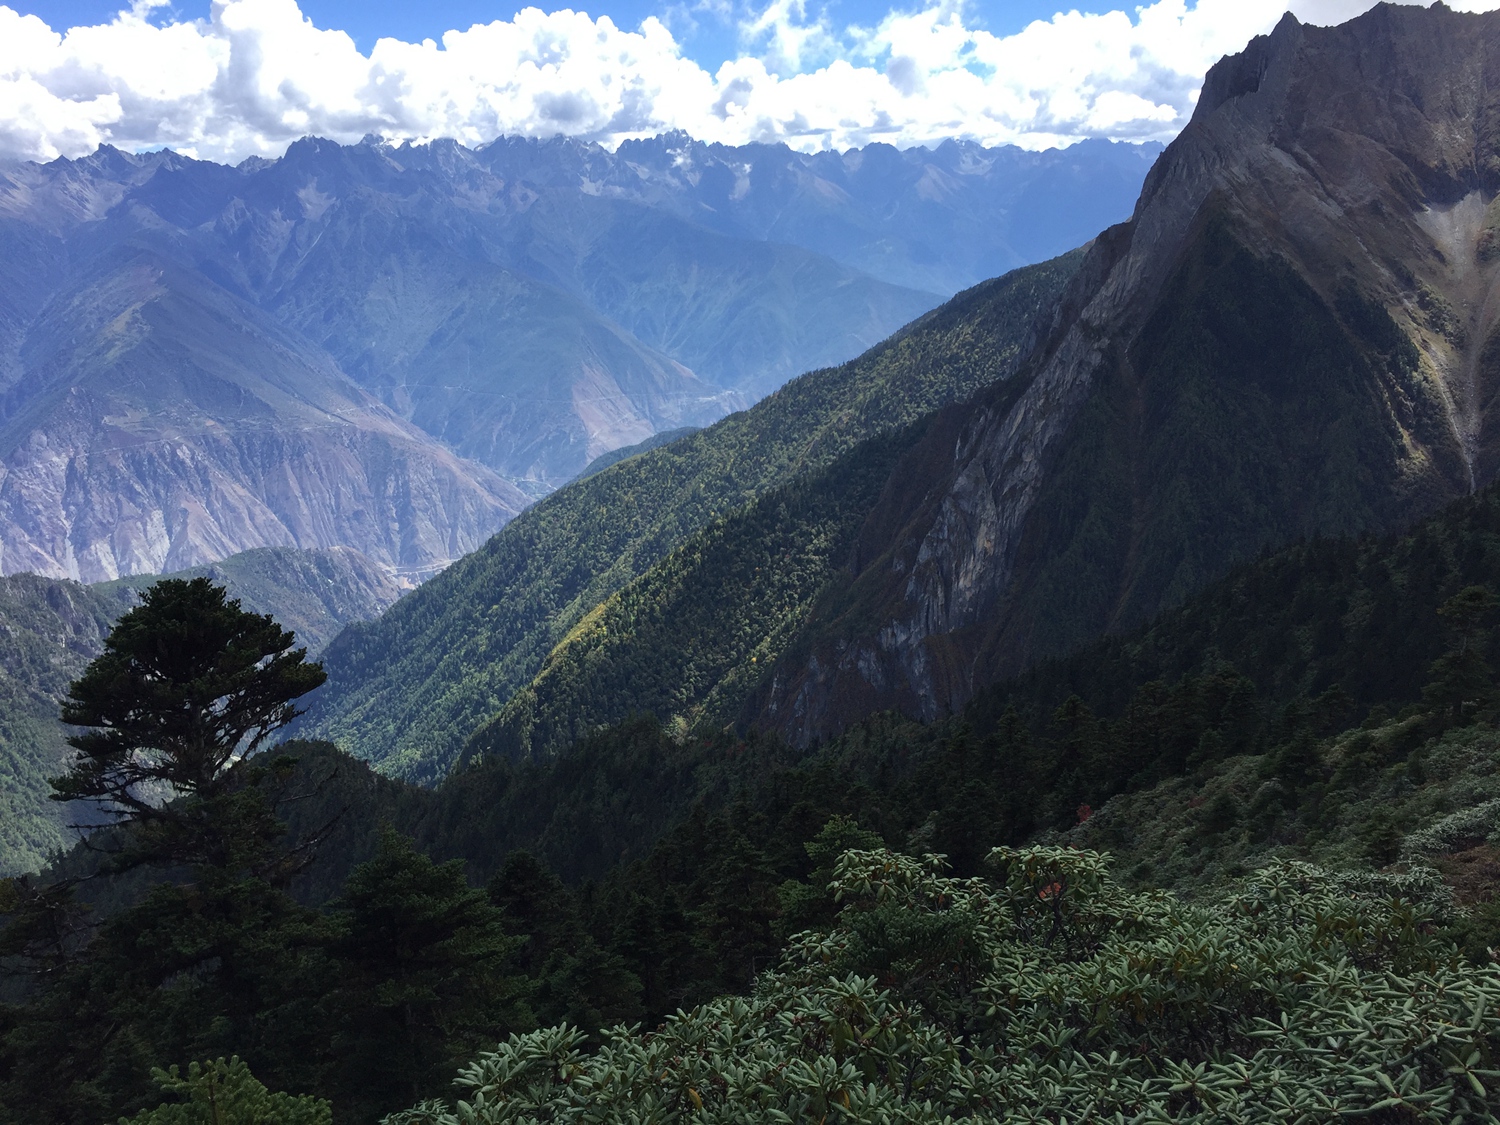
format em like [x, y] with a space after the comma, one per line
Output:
[1292, 336]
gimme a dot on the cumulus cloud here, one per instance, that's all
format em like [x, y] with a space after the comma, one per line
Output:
[257, 74]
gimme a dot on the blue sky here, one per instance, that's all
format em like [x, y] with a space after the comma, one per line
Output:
[706, 38]
[246, 78]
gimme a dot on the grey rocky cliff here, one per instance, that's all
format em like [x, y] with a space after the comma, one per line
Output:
[1363, 156]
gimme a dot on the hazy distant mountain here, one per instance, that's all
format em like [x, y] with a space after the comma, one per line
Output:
[197, 359]
[938, 220]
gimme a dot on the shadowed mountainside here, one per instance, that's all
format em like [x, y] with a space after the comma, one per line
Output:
[1292, 336]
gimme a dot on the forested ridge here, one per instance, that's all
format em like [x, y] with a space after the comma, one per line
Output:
[1288, 713]
[407, 691]
[51, 629]
[692, 637]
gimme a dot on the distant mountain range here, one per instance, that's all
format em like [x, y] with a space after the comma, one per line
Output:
[394, 349]
[1292, 337]
[936, 220]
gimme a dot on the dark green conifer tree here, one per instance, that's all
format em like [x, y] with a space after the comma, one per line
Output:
[575, 979]
[424, 981]
[188, 684]
[214, 958]
[1462, 683]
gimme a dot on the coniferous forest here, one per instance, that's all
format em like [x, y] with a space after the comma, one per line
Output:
[1232, 866]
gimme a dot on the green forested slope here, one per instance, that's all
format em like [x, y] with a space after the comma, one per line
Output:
[49, 630]
[689, 639]
[1226, 735]
[625, 452]
[405, 692]
[1261, 665]
[1282, 653]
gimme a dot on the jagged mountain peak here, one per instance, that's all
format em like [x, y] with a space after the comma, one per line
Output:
[528, 306]
[1293, 335]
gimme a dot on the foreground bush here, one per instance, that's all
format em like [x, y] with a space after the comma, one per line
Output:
[226, 1093]
[1051, 994]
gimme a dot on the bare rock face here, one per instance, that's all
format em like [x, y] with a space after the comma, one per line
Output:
[1294, 335]
[163, 424]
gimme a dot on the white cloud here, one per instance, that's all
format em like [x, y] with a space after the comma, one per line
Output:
[257, 74]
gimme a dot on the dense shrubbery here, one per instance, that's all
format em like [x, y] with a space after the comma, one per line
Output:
[1051, 994]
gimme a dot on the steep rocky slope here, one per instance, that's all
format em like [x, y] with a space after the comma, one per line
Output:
[1292, 336]
[406, 691]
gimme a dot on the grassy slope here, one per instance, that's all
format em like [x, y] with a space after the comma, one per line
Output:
[407, 690]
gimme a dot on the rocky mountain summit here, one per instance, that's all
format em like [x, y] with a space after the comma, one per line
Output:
[1294, 335]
